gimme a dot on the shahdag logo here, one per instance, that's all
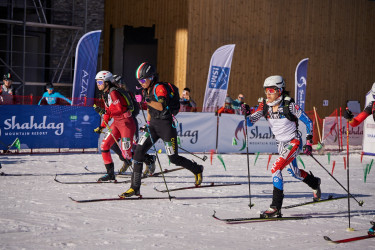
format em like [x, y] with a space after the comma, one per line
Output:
[301, 82]
[253, 133]
[13, 124]
[219, 77]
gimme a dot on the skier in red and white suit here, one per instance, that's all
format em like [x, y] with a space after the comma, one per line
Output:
[283, 114]
[123, 125]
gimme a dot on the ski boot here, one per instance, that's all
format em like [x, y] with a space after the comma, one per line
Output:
[271, 212]
[317, 192]
[371, 231]
[135, 181]
[126, 164]
[150, 165]
[314, 183]
[130, 192]
[198, 176]
[275, 208]
[110, 175]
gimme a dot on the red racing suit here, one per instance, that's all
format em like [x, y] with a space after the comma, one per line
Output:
[123, 125]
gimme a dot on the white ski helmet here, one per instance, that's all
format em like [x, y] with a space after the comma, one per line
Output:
[104, 75]
[373, 89]
[274, 81]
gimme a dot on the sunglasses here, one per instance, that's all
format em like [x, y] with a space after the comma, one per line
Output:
[142, 81]
[241, 97]
[270, 91]
[99, 82]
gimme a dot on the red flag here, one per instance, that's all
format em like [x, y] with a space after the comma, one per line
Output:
[333, 166]
[212, 154]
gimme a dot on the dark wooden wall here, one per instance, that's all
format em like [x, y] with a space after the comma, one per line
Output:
[271, 37]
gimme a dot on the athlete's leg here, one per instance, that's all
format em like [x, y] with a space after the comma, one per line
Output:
[169, 135]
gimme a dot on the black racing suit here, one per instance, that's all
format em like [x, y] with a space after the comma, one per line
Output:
[161, 127]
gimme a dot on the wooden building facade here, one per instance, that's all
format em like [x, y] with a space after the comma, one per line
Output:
[271, 37]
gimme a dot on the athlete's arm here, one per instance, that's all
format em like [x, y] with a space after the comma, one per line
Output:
[118, 105]
[301, 115]
[41, 99]
[359, 118]
[58, 95]
[254, 117]
[161, 94]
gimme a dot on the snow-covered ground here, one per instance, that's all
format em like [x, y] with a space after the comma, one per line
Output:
[36, 213]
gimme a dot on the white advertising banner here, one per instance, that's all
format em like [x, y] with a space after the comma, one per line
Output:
[331, 133]
[369, 130]
[197, 131]
[218, 78]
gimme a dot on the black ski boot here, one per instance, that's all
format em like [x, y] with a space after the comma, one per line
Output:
[314, 183]
[275, 208]
[110, 175]
[135, 181]
[198, 174]
[126, 164]
[150, 165]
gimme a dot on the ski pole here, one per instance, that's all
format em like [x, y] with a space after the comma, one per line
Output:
[248, 165]
[347, 166]
[156, 152]
[204, 158]
[360, 203]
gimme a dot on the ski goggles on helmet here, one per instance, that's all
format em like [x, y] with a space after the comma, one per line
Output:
[99, 82]
[270, 91]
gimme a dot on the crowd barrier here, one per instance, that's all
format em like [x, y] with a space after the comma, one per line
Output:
[72, 127]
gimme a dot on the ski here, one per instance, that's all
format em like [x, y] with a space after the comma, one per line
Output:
[258, 219]
[116, 182]
[330, 198]
[165, 171]
[212, 184]
[92, 172]
[121, 199]
[89, 182]
[348, 239]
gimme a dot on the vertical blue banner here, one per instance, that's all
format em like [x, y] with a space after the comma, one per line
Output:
[85, 69]
[300, 83]
[218, 78]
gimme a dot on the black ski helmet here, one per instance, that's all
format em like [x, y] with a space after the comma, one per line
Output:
[145, 70]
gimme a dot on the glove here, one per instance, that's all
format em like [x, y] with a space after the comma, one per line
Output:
[144, 128]
[245, 109]
[99, 110]
[147, 99]
[138, 98]
[348, 115]
[98, 130]
[307, 149]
